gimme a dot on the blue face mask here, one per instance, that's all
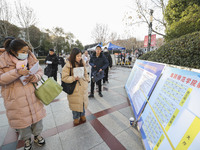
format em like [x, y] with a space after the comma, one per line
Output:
[22, 56]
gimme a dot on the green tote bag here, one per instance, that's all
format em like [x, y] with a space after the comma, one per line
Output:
[48, 91]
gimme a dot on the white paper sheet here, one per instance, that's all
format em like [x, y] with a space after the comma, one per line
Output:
[33, 70]
[48, 62]
[78, 72]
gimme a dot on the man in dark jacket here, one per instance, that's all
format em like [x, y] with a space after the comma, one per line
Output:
[52, 64]
[107, 55]
[99, 63]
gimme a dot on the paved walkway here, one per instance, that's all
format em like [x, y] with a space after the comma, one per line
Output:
[107, 125]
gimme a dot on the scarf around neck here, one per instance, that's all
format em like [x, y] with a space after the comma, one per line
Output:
[20, 64]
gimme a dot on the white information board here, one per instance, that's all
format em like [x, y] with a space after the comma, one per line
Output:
[144, 75]
[175, 101]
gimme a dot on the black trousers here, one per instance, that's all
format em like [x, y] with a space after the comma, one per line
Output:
[54, 75]
[93, 84]
[106, 75]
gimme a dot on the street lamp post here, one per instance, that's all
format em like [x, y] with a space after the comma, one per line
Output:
[150, 30]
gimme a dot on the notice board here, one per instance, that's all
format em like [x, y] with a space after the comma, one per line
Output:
[176, 102]
[144, 75]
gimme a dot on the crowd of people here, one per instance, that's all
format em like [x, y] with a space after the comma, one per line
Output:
[23, 109]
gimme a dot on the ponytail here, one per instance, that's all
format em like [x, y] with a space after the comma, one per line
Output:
[7, 44]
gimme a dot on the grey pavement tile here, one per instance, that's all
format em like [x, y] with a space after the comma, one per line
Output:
[82, 137]
[112, 85]
[62, 117]
[4, 120]
[114, 82]
[108, 93]
[47, 108]
[121, 91]
[60, 105]
[61, 95]
[133, 131]
[2, 108]
[52, 143]
[1, 99]
[3, 132]
[102, 146]
[97, 104]
[115, 122]
[112, 75]
[90, 117]
[10, 146]
[48, 122]
[114, 100]
[127, 112]
[130, 140]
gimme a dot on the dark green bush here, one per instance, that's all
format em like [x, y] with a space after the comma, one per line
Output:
[183, 51]
[41, 57]
[41, 61]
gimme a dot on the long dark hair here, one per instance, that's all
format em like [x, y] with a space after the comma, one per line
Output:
[72, 57]
[14, 45]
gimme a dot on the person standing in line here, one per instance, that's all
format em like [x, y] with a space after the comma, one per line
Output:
[86, 58]
[23, 109]
[78, 100]
[52, 64]
[99, 63]
[109, 58]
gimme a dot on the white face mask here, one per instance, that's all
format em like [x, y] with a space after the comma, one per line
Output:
[22, 56]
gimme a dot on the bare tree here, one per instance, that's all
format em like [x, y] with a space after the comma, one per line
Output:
[141, 14]
[26, 18]
[100, 33]
[113, 36]
[129, 43]
[5, 17]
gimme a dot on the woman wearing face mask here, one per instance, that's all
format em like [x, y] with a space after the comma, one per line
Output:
[78, 101]
[24, 111]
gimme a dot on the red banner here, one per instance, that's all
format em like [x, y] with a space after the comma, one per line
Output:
[153, 40]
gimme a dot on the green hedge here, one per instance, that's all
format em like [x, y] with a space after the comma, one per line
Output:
[183, 51]
[41, 61]
[41, 57]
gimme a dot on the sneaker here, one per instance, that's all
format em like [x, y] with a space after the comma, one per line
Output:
[100, 95]
[27, 144]
[91, 95]
[39, 140]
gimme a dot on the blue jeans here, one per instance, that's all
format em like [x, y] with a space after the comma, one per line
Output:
[77, 114]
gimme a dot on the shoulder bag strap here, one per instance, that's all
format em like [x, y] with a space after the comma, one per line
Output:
[70, 74]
